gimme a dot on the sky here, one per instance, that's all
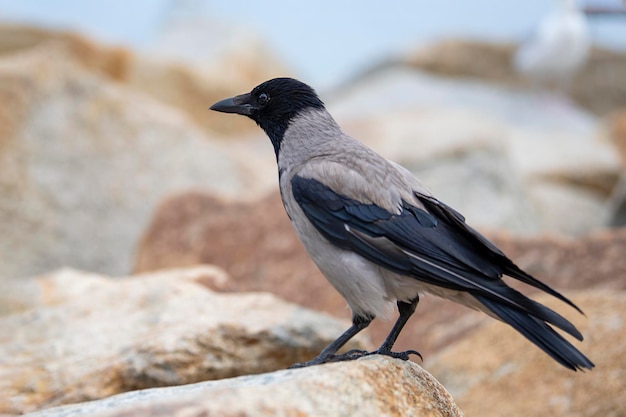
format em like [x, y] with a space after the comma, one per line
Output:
[323, 41]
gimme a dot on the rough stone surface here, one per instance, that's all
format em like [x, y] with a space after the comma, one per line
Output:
[375, 386]
[506, 159]
[195, 228]
[615, 126]
[596, 87]
[84, 161]
[86, 337]
[494, 372]
[227, 67]
[593, 261]
[617, 204]
[198, 228]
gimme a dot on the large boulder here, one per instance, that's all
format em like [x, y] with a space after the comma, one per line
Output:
[81, 336]
[84, 161]
[495, 372]
[374, 386]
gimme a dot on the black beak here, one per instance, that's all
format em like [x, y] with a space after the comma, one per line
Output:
[238, 104]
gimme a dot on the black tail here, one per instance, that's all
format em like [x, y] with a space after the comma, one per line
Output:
[541, 334]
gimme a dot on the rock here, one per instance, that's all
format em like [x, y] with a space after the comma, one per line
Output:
[111, 61]
[507, 160]
[494, 372]
[92, 336]
[226, 67]
[84, 161]
[615, 126]
[374, 386]
[230, 51]
[615, 131]
[592, 261]
[198, 228]
[617, 204]
[597, 87]
[194, 228]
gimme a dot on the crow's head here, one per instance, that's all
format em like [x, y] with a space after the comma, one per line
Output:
[272, 105]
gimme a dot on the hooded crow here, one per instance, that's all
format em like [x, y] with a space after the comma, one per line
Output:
[379, 236]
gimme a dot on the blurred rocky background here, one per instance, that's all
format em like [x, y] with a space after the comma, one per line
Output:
[143, 243]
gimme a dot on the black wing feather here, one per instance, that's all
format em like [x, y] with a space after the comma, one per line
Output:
[436, 246]
[488, 249]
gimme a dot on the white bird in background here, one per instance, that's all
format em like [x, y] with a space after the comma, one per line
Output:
[559, 48]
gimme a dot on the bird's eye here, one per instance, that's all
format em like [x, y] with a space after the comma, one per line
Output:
[263, 99]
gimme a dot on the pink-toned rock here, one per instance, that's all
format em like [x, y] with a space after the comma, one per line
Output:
[495, 372]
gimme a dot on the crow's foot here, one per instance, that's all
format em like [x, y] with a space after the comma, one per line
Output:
[356, 354]
[348, 356]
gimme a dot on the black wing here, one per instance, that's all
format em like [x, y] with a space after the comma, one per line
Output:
[437, 247]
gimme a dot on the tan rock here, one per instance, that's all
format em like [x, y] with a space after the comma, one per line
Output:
[190, 88]
[494, 372]
[111, 61]
[87, 337]
[615, 126]
[253, 241]
[84, 161]
[374, 386]
[507, 159]
[617, 204]
[596, 87]
[593, 261]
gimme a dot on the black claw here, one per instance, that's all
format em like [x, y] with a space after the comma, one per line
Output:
[398, 355]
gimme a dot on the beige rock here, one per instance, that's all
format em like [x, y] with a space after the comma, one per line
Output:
[111, 61]
[494, 372]
[617, 204]
[374, 386]
[597, 87]
[593, 261]
[579, 161]
[84, 161]
[88, 337]
[506, 159]
[190, 88]
[615, 126]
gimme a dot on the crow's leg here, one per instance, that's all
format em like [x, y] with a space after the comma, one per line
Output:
[329, 354]
[406, 310]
